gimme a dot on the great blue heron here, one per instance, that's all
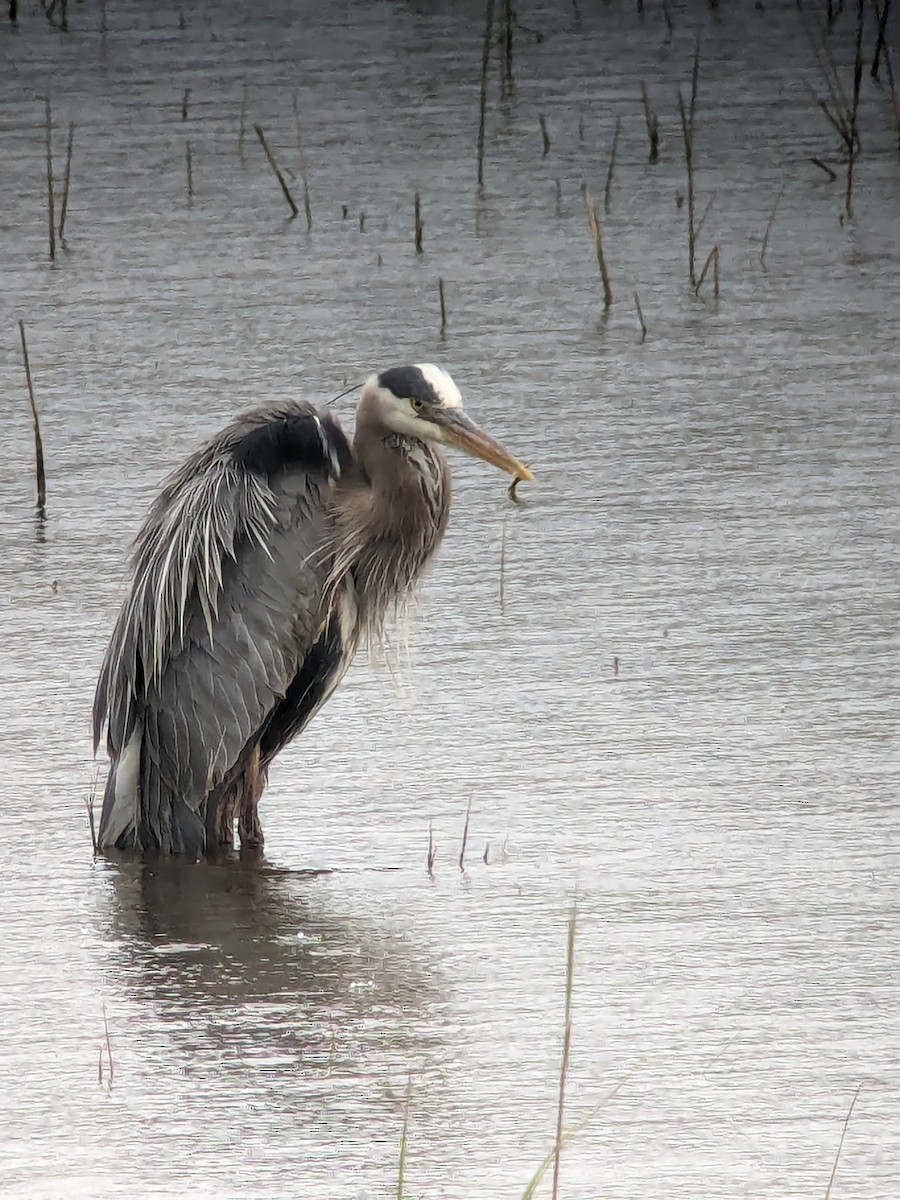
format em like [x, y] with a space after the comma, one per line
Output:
[263, 561]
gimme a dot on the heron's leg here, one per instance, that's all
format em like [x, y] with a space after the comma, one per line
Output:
[253, 781]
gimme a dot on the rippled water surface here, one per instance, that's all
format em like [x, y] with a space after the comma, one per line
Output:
[679, 702]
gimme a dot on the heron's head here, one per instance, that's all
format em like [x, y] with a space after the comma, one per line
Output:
[423, 402]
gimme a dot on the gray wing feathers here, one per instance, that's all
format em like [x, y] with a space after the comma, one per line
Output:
[228, 596]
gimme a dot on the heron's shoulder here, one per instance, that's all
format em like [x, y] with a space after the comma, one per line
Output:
[288, 436]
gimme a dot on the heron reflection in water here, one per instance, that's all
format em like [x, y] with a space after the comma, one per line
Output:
[265, 559]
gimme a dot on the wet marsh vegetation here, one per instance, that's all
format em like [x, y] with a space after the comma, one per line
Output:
[656, 245]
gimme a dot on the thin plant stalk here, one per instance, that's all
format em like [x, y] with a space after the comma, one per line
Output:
[303, 172]
[545, 134]
[711, 261]
[853, 139]
[401, 1165]
[443, 306]
[607, 191]
[882, 15]
[432, 850]
[769, 224]
[242, 127]
[837, 1157]
[687, 130]
[40, 476]
[567, 1040]
[652, 121]
[189, 164]
[465, 836]
[485, 65]
[418, 224]
[64, 208]
[48, 140]
[276, 171]
[640, 313]
[507, 82]
[594, 226]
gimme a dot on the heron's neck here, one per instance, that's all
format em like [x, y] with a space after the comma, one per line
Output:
[392, 518]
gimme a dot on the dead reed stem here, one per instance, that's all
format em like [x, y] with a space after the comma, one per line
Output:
[837, 1157]
[429, 862]
[687, 130]
[637, 305]
[769, 224]
[607, 191]
[567, 1039]
[188, 161]
[185, 100]
[303, 173]
[881, 15]
[242, 127]
[277, 171]
[832, 175]
[443, 305]
[67, 178]
[48, 141]
[652, 121]
[485, 64]
[545, 134]
[40, 476]
[401, 1165]
[418, 224]
[594, 226]
[712, 260]
[507, 83]
[465, 836]
[853, 139]
[109, 1054]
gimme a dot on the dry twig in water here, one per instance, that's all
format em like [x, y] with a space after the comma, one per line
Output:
[277, 171]
[567, 1039]
[837, 1157]
[64, 208]
[640, 313]
[307, 207]
[40, 476]
[607, 191]
[769, 224]
[48, 145]
[419, 226]
[652, 124]
[443, 305]
[465, 836]
[594, 226]
[545, 134]
[485, 63]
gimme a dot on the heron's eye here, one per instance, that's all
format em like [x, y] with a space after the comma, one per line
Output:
[417, 405]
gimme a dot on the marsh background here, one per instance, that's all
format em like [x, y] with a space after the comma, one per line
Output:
[683, 709]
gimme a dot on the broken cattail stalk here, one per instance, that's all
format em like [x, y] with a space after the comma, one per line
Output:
[567, 1042]
[853, 138]
[594, 226]
[418, 224]
[771, 222]
[443, 306]
[485, 63]
[652, 121]
[506, 80]
[832, 175]
[545, 134]
[66, 180]
[276, 171]
[465, 836]
[242, 128]
[607, 191]
[712, 259]
[48, 141]
[40, 476]
[431, 852]
[188, 161]
[640, 313]
[303, 174]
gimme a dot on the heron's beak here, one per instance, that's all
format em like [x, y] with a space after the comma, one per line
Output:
[460, 431]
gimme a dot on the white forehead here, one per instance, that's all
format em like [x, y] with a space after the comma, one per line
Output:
[446, 389]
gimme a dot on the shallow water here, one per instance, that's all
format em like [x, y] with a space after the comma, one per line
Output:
[682, 708]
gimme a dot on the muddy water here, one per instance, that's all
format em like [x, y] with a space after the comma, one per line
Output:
[679, 705]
